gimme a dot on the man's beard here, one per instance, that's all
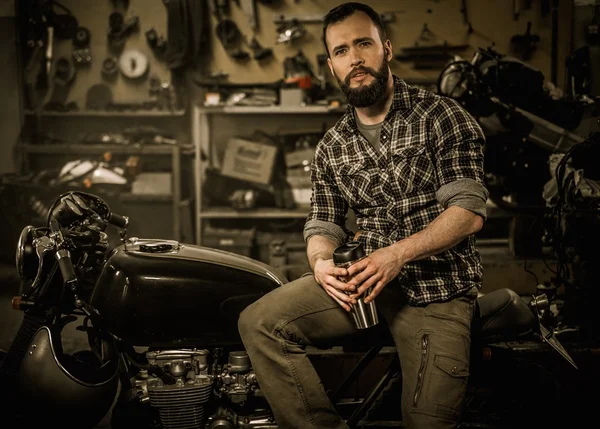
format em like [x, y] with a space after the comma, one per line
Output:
[366, 95]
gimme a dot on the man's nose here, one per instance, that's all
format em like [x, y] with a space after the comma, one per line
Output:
[355, 58]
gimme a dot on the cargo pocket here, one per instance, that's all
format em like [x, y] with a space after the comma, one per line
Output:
[449, 384]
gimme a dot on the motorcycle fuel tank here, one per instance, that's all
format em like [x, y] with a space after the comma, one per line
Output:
[161, 293]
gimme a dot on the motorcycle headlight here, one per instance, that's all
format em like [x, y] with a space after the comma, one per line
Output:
[26, 258]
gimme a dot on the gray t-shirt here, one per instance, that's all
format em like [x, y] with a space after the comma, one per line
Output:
[371, 132]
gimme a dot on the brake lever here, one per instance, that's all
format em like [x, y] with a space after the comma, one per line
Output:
[43, 245]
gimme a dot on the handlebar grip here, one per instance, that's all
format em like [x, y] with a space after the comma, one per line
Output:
[66, 265]
[118, 220]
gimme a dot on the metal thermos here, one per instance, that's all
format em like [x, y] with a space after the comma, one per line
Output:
[364, 315]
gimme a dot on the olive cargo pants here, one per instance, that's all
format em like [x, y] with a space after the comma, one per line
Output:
[433, 344]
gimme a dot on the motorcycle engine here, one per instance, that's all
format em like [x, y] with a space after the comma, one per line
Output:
[183, 387]
[178, 386]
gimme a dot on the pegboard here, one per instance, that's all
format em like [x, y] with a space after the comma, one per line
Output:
[492, 21]
[94, 15]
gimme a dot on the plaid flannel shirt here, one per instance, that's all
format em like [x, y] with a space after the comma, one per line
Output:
[427, 141]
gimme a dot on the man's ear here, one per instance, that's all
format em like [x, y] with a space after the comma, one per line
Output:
[330, 66]
[388, 50]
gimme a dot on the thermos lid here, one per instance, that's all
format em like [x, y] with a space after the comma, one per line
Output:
[349, 252]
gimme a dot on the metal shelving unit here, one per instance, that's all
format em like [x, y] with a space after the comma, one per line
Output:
[202, 130]
[174, 151]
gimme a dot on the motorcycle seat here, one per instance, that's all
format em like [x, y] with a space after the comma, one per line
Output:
[502, 315]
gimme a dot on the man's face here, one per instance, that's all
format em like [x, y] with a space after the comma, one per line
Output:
[358, 59]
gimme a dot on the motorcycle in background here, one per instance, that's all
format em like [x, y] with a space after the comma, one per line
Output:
[164, 350]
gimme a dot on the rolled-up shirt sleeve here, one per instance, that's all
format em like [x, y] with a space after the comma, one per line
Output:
[458, 142]
[466, 193]
[328, 209]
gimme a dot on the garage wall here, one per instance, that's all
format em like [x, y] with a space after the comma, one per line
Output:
[492, 21]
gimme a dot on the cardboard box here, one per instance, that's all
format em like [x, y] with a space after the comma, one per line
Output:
[249, 160]
[152, 184]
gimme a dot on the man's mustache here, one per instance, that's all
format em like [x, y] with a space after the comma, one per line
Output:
[357, 70]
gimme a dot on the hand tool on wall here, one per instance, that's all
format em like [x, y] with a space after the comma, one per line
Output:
[516, 9]
[259, 53]
[228, 32]
[428, 52]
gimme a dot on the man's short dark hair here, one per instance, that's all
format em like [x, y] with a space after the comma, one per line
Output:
[343, 11]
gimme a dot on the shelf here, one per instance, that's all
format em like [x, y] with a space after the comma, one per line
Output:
[272, 109]
[270, 213]
[101, 148]
[109, 113]
[128, 197]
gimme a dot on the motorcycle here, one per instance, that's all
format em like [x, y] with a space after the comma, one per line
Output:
[161, 323]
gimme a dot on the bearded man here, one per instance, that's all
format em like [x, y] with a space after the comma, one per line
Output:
[410, 165]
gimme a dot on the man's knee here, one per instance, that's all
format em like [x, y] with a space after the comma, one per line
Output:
[247, 322]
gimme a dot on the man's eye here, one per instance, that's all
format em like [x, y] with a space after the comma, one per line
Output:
[364, 44]
[341, 51]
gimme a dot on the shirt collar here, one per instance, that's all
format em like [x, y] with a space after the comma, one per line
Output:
[400, 102]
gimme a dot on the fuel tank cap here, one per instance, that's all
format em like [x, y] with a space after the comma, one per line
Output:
[135, 244]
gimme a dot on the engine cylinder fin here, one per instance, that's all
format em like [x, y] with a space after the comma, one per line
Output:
[182, 417]
[161, 398]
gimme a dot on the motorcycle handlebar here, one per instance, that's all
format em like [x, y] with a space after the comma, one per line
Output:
[66, 266]
[118, 220]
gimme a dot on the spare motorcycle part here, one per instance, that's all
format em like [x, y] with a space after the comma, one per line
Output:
[289, 32]
[154, 85]
[120, 29]
[49, 50]
[133, 64]
[90, 173]
[82, 37]
[115, 22]
[227, 32]
[156, 42]
[64, 24]
[64, 75]
[110, 68]
[259, 52]
[64, 72]
[98, 97]
[81, 46]
[76, 389]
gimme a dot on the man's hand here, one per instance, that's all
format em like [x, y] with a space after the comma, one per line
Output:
[376, 270]
[328, 276]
